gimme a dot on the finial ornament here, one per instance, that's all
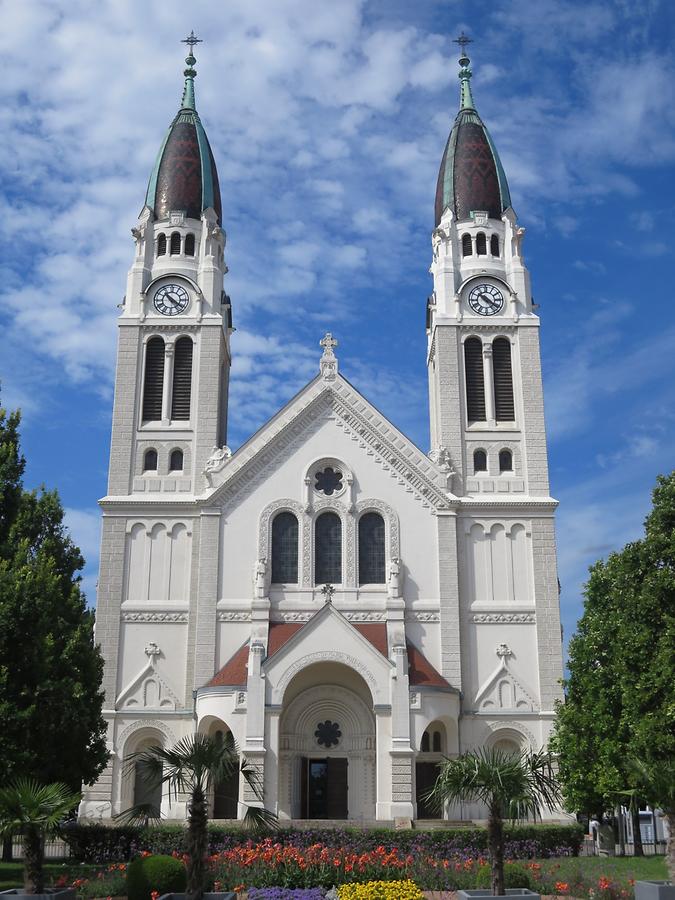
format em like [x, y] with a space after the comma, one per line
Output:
[328, 359]
[466, 100]
[328, 590]
[190, 73]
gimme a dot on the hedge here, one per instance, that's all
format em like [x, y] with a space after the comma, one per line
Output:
[147, 874]
[102, 843]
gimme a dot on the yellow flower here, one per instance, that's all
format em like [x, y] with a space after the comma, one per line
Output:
[381, 890]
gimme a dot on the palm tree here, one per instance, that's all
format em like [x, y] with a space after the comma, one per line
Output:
[35, 811]
[656, 783]
[511, 785]
[193, 766]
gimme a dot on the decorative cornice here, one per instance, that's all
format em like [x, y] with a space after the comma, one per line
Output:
[505, 502]
[495, 618]
[233, 616]
[155, 617]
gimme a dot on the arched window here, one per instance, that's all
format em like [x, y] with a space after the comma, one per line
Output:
[481, 244]
[175, 243]
[150, 461]
[371, 549]
[505, 461]
[182, 380]
[475, 381]
[285, 549]
[328, 549]
[503, 380]
[153, 383]
[189, 245]
[161, 244]
[176, 461]
[479, 461]
[467, 249]
[425, 746]
[436, 742]
[494, 245]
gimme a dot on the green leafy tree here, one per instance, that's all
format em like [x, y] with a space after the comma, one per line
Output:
[35, 811]
[50, 671]
[512, 786]
[620, 693]
[194, 766]
[657, 785]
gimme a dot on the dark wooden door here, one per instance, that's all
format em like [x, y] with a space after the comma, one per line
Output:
[425, 778]
[336, 793]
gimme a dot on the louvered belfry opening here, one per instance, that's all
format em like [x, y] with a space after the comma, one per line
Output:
[479, 461]
[494, 245]
[189, 244]
[503, 378]
[161, 245]
[285, 549]
[467, 249]
[481, 244]
[182, 380]
[175, 243]
[371, 549]
[475, 380]
[328, 549]
[153, 384]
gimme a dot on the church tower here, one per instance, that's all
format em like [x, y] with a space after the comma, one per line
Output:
[487, 420]
[173, 354]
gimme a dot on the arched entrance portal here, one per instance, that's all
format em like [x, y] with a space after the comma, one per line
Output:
[327, 765]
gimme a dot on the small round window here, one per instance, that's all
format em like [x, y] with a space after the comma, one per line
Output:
[328, 481]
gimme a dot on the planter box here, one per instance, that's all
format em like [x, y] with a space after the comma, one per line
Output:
[228, 895]
[486, 892]
[49, 894]
[654, 890]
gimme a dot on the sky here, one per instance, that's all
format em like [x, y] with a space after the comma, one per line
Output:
[328, 121]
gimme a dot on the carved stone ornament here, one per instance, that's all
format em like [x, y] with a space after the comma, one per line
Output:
[394, 577]
[260, 576]
[328, 365]
[219, 458]
[152, 650]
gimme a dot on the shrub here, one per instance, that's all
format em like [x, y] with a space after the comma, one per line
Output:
[381, 890]
[146, 874]
[515, 876]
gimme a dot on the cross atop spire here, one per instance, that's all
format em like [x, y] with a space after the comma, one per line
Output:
[466, 100]
[329, 362]
[190, 73]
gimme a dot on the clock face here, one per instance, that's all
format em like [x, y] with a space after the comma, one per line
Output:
[171, 300]
[486, 300]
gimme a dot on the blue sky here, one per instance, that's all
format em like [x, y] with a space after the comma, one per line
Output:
[328, 121]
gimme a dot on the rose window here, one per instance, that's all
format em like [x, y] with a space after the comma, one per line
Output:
[327, 734]
[328, 481]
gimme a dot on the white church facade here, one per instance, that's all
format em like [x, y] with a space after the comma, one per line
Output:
[345, 606]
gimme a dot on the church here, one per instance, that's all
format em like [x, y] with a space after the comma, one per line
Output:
[343, 605]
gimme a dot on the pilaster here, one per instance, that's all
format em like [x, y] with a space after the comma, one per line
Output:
[203, 612]
[448, 590]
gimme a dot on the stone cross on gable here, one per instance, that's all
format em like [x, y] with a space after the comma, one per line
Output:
[328, 358]
[152, 650]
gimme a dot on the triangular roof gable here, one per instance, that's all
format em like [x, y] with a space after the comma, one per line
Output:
[131, 695]
[395, 452]
[304, 633]
[522, 698]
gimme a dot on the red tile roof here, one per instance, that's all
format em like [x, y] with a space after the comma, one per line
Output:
[420, 670]
[234, 671]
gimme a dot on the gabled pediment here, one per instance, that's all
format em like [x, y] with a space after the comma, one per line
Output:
[148, 690]
[360, 420]
[503, 691]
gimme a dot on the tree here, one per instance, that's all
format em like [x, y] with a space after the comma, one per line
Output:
[194, 766]
[657, 784]
[35, 811]
[620, 693]
[50, 671]
[511, 785]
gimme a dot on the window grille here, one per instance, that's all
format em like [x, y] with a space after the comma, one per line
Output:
[161, 245]
[475, 380]
[182, 380]
[494, 245]
[371, 549]
[153, 384]
[328, 549]
[176, 461]
[467, 249]
[503, 380]
[150, 461]
[479, 461]
[285, 549]
[481, 244]
[505, 461]
[189, 245]
[175, 243]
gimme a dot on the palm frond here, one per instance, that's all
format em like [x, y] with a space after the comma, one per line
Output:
[141, 814]
[27, 803]
[258, 819]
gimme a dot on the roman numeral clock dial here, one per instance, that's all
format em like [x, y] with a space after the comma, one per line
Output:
[486, 300]
[171, 300]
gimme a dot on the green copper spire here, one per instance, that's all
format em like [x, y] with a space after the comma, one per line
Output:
[188, 101]
[465, 97]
